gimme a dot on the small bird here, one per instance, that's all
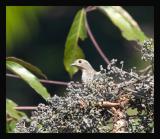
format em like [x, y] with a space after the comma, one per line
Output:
[88, 73]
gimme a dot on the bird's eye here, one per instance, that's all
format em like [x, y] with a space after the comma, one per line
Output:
[79, 61]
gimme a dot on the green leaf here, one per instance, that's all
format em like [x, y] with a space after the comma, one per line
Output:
[131, 111]
[11, 111]
[10, 126]
[72, 50]
[27, 76]
[27, 65]
[128, 26]
[12, 115]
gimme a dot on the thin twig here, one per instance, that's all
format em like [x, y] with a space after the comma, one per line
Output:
[41, 80]
[108, 104]
[25, 108]
[95, 43]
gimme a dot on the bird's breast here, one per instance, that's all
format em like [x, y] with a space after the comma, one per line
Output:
[87, 76]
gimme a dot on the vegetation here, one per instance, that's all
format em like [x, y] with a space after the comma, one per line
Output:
[117, 101]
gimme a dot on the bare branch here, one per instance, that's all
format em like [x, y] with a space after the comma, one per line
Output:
[25, 108]
[108, 104]
[95, 43]
[42, 80]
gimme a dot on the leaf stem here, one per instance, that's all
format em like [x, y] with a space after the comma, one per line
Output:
[95, 42]
[41, 80]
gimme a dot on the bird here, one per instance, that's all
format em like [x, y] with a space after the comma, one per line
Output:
[88, 73]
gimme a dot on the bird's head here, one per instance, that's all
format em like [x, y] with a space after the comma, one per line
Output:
[82, 64]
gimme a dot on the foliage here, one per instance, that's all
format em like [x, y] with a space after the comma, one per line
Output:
[12, 115]
[21, 68]
[128, 26]
[72, 50]
[120, 18]
[83, 109]
[19, 28]
[28, 66]
[14, 66]
[86, 108]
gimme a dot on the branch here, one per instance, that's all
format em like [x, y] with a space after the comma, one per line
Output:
[108, 104]
[25, 108]
[41, 80]
[94, 42]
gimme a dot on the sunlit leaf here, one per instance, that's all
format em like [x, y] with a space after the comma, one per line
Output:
[72, 49]
[128, 26]
[27, 76]
[27, 65]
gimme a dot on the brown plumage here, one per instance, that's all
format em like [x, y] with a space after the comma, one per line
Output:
[88, 72]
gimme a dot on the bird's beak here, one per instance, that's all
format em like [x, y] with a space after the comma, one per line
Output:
[73, 64]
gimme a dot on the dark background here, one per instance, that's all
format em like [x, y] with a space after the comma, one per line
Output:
[44, 47]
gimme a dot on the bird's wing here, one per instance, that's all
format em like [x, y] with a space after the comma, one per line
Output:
[96, 75]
